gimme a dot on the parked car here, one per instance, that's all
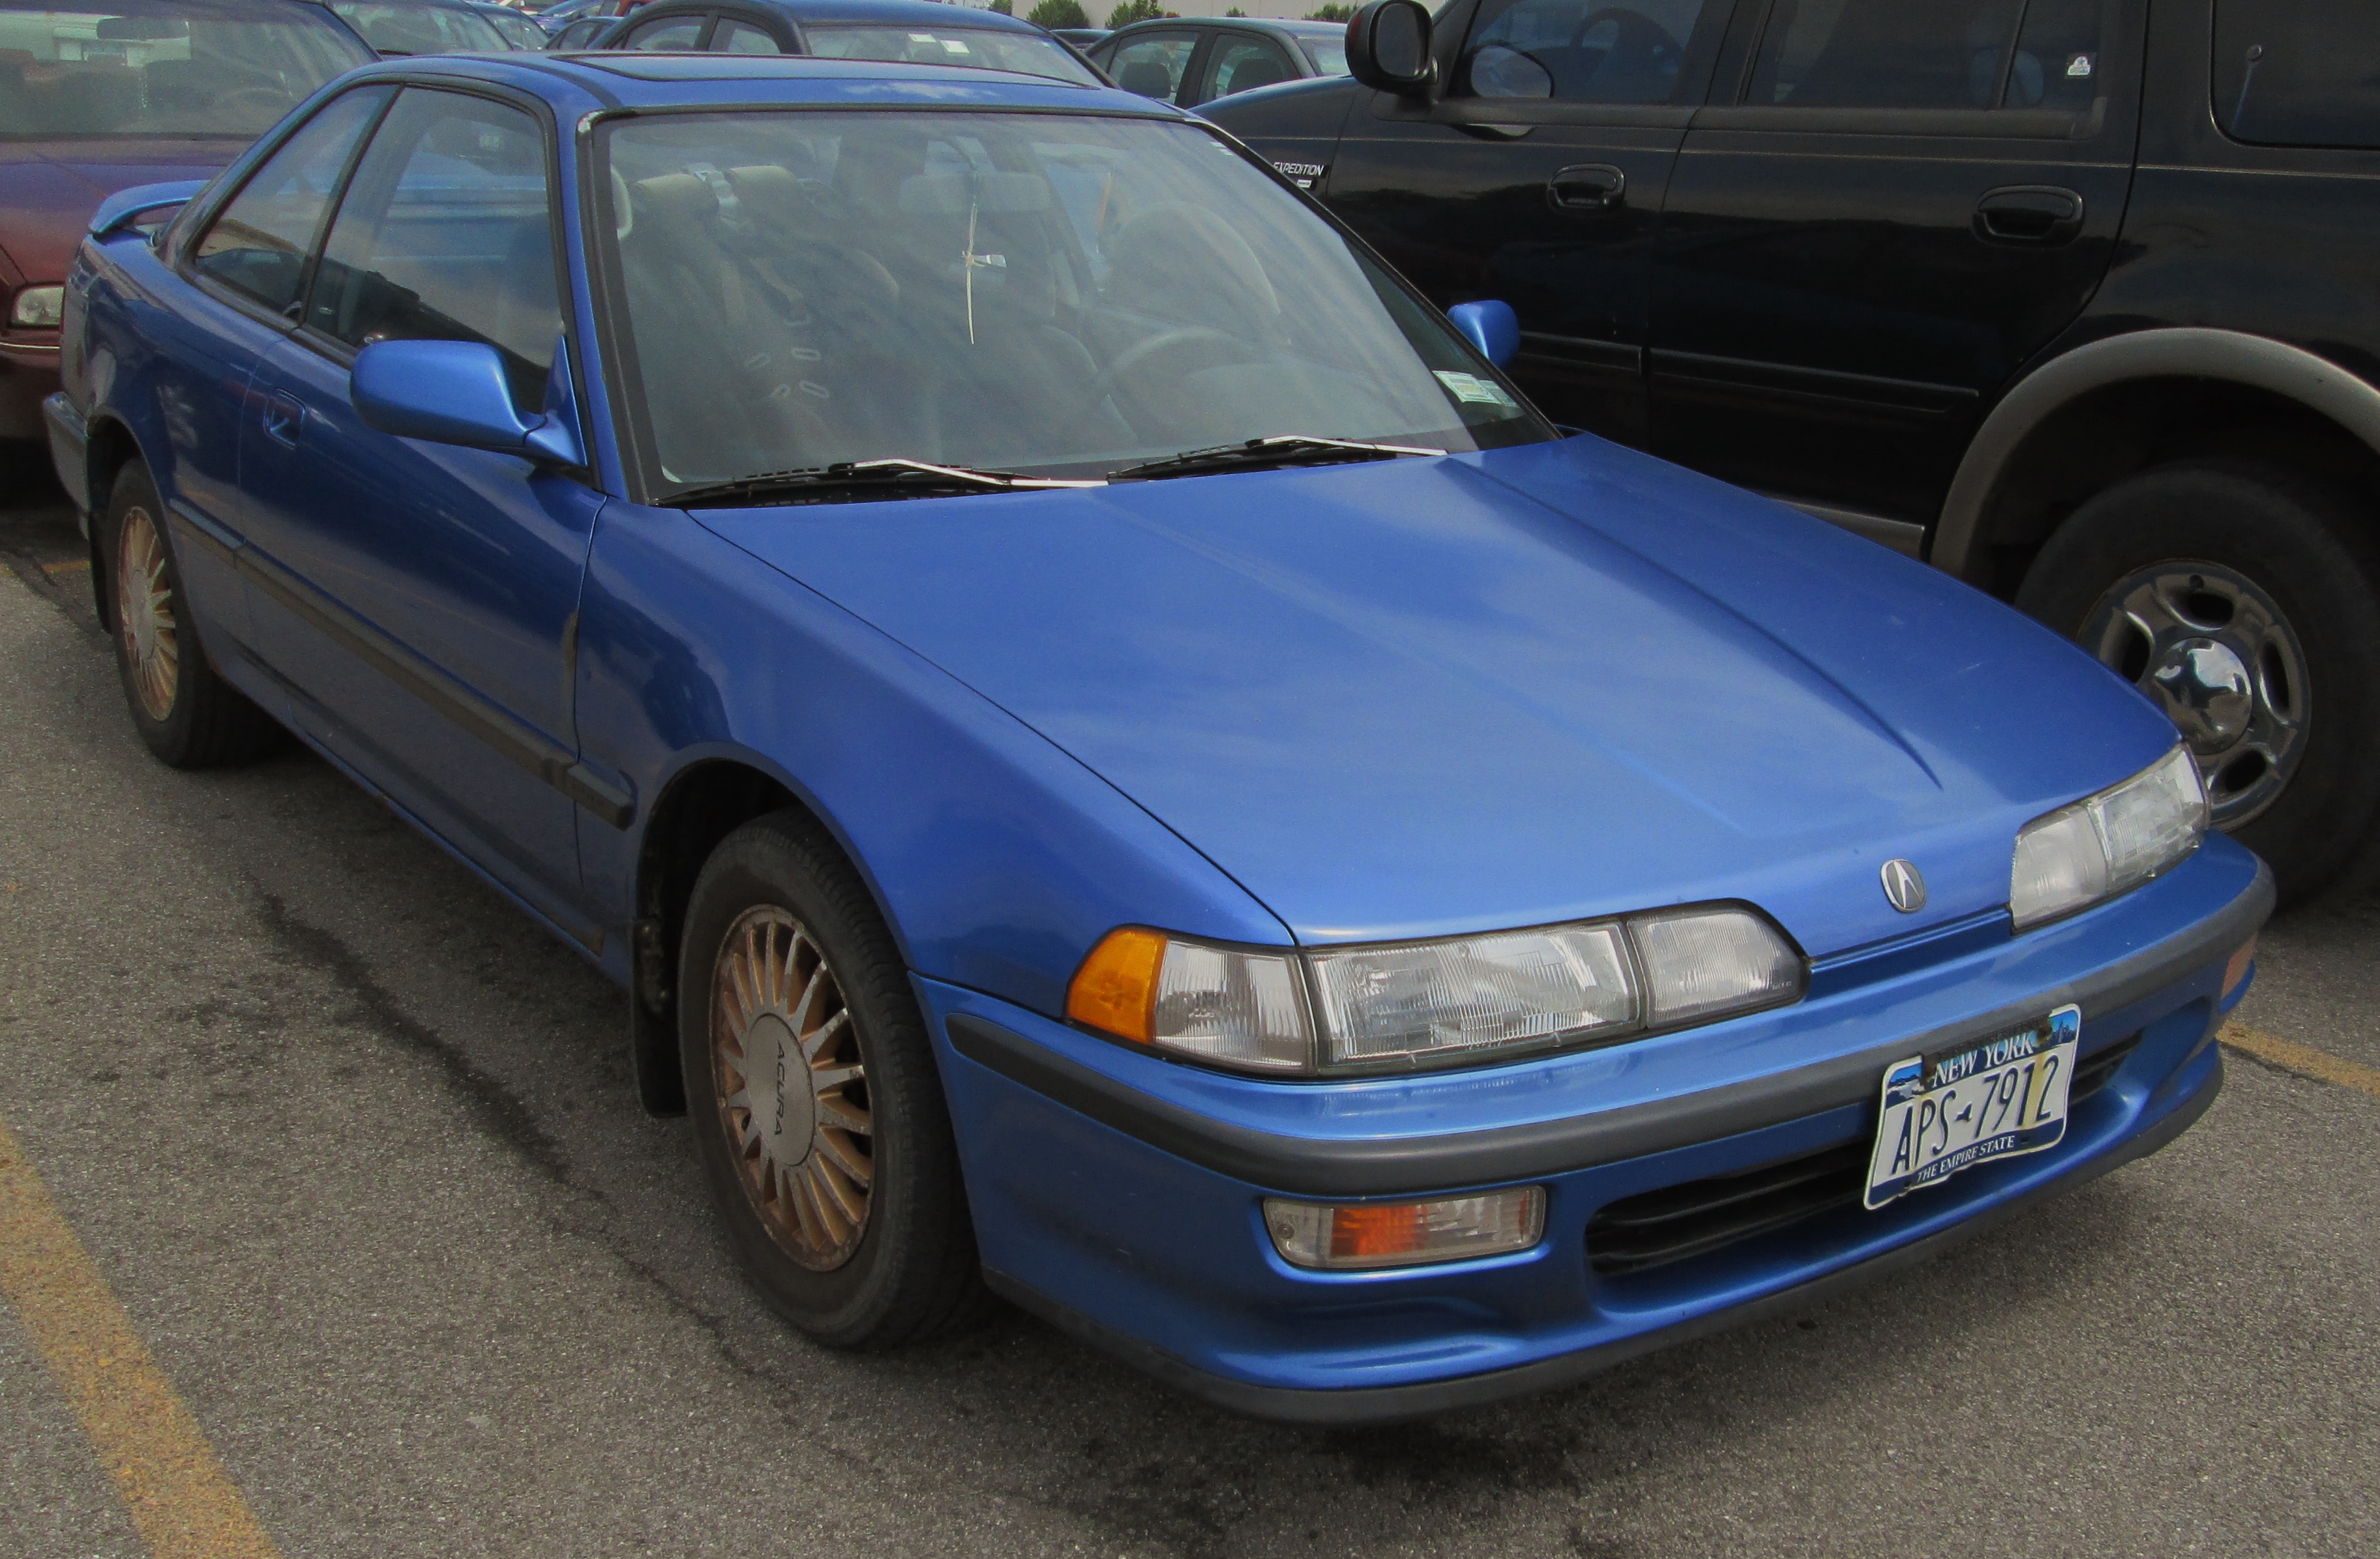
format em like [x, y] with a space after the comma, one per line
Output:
[914, 31]
[2068, 299]
[1117, 758]
[402, 28]
[580, 33]
[518, 29]
[555, 18]
[1191, 60]
[97, 100]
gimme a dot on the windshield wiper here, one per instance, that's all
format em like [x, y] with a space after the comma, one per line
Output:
[1281, 449]
[845, 479]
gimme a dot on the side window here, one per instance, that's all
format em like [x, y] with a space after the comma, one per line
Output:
[1239, 62]
[579, 34]
[1581, 50]
[1887, 54]
[1152, 64]
[446, 235]
[2297, 72]
[677, 34]
[258, 246]
[741, 37]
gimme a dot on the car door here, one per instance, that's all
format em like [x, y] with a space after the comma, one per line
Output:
[419, 600]
[1154, 63]
[1900, 206]
[1538, 177]
[246, 265]
[1237, 61]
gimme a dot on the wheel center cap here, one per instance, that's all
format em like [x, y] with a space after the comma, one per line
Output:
[778, 1082]
[2207, 691]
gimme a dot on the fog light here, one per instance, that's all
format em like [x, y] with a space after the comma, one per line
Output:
[1405, 1233]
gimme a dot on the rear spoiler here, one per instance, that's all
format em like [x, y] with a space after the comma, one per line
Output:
[120, 210]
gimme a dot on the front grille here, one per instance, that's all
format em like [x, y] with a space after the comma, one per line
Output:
[1676, 1222]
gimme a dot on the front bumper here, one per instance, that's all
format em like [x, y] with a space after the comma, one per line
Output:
[1119, 1194]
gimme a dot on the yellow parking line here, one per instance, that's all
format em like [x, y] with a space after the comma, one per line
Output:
[2302, 1058]
[184, 1503]
[69, 567]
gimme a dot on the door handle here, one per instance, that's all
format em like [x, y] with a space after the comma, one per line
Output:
[1588, 187]
[2028, 213]
[284, 415]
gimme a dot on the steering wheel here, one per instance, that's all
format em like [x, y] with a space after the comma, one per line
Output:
[1133, 357]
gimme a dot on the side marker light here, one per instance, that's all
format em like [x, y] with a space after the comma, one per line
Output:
[1116, 988]
[1405, 1233]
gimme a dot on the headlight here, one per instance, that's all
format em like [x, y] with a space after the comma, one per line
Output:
[39, 307]
[1445, 1002]
[2108, 844]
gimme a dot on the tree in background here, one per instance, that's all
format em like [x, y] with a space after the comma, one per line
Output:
[1332, 13]
[1006, 7]
[1235, 11]
[1131, 11]
[1058, 13]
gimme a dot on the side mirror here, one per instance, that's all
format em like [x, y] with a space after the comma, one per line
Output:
[1388, 47]
[1490, 325]
[454, 392]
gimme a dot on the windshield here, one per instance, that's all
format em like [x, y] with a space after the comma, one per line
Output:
[515, 29]
[419, 29]
[197, 69]
[1028, 53]
[1062, 296]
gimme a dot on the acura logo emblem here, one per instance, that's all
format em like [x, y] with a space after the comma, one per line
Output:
[1903, 887]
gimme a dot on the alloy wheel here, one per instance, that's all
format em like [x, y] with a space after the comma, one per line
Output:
[2215, 652]
[144, 614]
[791, 1082]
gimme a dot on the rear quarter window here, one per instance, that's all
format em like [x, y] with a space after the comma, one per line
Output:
[2298, 72]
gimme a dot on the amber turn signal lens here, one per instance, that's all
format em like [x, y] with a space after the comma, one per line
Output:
[1115, 991]
[2237, 969]
[1405, 1233]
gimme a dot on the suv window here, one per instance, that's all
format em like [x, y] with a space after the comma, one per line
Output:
[1152, 64]
[2298, 72]
[258, 246]
[1242, 62]
[677, 34]
[1895, 53]
[1579, 51]
[445, 235]
[741, 37]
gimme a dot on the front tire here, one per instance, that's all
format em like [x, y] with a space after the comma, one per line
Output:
[2240, 597]
[188, 716]
[818, 1110]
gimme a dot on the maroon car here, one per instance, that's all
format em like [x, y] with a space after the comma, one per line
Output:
[97, 97]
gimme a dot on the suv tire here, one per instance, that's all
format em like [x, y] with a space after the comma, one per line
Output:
[832, 1159]
[187, 714]
[2256, 585]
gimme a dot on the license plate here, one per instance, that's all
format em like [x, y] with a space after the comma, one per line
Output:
[1955, 1109]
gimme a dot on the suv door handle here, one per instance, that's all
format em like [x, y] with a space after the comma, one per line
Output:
[2028, 213]
[1588, 187]
[284, 415]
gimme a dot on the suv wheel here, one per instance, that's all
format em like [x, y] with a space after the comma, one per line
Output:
[2240, 597]
[818, 1109]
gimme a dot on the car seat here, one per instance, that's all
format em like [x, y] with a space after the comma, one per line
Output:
[1149, 77]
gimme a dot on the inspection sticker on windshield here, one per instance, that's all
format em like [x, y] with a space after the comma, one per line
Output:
[1471, 387]
[1953, 1111]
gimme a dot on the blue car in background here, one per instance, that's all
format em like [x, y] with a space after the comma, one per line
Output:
[1119, 763]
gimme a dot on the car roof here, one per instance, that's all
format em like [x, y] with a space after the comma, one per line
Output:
[918, 13]
[1275, 24]
[577, 83]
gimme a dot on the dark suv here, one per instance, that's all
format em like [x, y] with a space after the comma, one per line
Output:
[2078, 301]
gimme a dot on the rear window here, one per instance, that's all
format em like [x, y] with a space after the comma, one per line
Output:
[1028, 53]
[2298, 72]
[185, 68]
[419, 29]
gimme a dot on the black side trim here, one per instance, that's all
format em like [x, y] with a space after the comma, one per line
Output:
[1580, 354]
[1376, 1166]
[1909, 396]
[1389, 1404]
[556, 766]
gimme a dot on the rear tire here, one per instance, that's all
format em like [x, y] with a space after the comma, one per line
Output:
[2240, 597]
[818, 1110]
[187, 714]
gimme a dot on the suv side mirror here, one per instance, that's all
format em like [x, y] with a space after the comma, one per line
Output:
[1388, 47]
[456, 391]
[1490, 325]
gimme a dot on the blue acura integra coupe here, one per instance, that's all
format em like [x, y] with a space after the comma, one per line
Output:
[1119, 763]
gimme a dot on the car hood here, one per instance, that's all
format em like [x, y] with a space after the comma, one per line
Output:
[1431, 696]
[48, 188]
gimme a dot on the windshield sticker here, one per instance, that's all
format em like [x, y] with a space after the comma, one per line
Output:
[1471, 387]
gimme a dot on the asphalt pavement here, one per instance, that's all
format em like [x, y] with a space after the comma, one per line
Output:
[352, 1150]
